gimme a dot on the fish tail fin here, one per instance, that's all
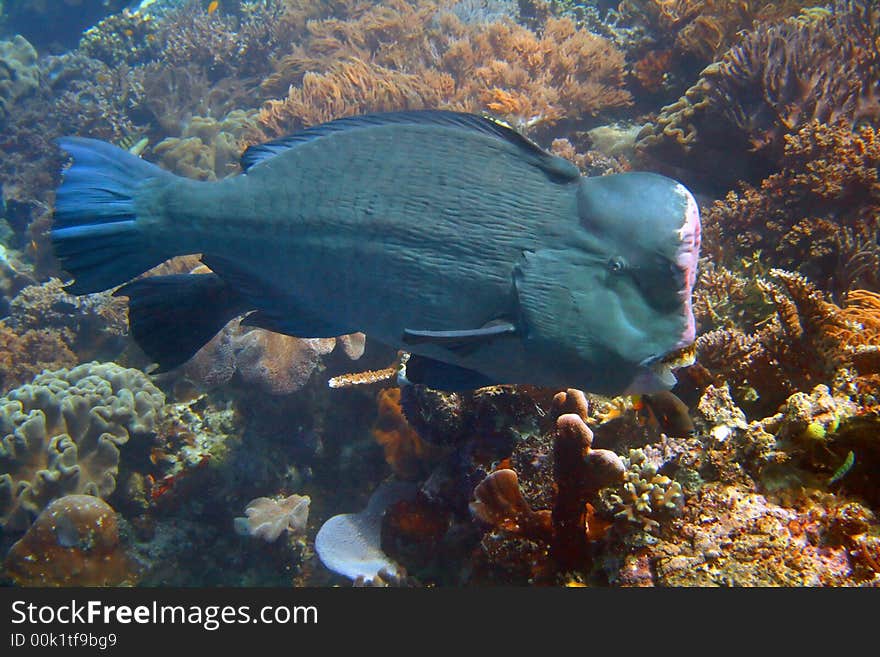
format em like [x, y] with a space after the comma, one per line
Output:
[172, 317]
[96, 233]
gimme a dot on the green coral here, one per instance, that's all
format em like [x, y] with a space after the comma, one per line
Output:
[61, 435]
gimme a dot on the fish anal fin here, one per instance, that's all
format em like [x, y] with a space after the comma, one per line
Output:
[443, 376]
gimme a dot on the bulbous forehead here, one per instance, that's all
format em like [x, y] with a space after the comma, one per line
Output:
[640, 210]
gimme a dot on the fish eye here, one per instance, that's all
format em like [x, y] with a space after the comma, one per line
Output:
[616, 265]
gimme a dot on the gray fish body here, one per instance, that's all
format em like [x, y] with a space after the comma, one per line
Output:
[389, 227]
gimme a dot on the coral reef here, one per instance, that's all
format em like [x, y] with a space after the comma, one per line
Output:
[645, 493]
[278, 364]
[808, 341]
[408, 455]
[62, 434]
[689, 32]
[350, 544]
[779, 78]
[410, 56]
[818, 215]
[73, 542]
[208, 149]
[579, 472]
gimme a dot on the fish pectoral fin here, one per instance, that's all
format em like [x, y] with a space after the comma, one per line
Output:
[461, 339]
[442, 376]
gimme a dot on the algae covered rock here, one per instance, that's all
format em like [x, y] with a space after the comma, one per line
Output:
[61, 434]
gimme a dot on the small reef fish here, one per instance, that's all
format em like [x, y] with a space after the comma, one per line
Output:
[666, 411]
[444, 234]
[212, 6]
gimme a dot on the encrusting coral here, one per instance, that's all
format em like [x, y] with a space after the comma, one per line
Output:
[73, 542]
[61, 434]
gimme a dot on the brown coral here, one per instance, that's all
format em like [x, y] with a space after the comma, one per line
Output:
[73, 542]
[818, 215]
[776, 80]
[809, 341]
[578, 472]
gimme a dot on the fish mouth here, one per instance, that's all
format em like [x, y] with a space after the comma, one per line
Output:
[656, 372]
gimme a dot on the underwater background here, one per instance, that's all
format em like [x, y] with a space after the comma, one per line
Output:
[276, 461]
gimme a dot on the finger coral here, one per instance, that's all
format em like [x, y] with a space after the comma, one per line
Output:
[61, 435]
[579, 472]
[73, 542]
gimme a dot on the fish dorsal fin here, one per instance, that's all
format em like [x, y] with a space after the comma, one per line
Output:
[556, 167]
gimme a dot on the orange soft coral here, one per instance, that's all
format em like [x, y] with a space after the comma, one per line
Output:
[410, 56]
[408, 455]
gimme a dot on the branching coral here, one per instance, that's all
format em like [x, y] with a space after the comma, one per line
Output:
[701, 29]
[645, 494]
[62, 433]
[819, 215]
[777, 80]
[128, 36]
[809, 341]
[47, 328]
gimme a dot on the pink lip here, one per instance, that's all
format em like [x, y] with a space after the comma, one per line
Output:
[686, 258]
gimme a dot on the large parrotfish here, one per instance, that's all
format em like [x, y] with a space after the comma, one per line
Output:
[444, 234]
